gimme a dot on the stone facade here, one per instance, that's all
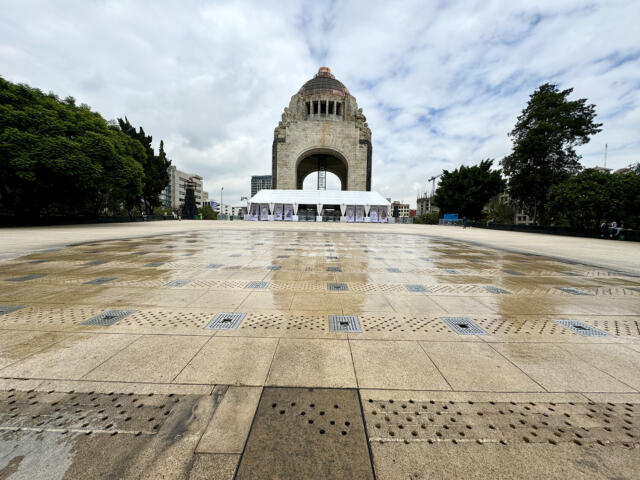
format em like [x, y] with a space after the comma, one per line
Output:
[322, 128]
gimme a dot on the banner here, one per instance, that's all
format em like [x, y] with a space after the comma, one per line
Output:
[351, 214]
[359, 213]
[255, 208]
[264, 211]
[277, 214]
[373, 215]
[383, 215]
[288, 212]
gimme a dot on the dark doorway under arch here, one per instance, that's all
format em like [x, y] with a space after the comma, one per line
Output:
[318, 160]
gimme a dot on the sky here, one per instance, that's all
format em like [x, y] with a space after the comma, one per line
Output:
[441, 82]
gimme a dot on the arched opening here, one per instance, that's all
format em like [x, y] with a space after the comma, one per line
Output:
[323, 161]
[311, 182]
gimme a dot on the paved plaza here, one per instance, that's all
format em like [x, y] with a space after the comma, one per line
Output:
[236, 350]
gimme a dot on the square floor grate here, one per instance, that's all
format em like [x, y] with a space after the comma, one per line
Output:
[214, 265]
[100, 281]
[416, 288]
[154, 264]
[568, 273]
[25, 278]
[96, 262]
[512, 272]
[178, 283]
[39, 261]
[282, 256]
[257, 285]
[581, 328]
[334, 269]
[107, 318]
[273, 267]
[331, 257]
[426, 259]
[378, 258]
[496, 290]
[573, 291]
[344, 323]
[225, 321]
[337, 287]
[394, 270]
[463, 326]
[140, 253]
[452, 271]
[9, 308]
[235, 255]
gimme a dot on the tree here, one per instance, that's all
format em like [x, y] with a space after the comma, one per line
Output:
[498, 211]
[466, 190]
[544, 140]
[189, 210]
[208, 213]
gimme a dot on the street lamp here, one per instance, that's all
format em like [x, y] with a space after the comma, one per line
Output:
[221, 189]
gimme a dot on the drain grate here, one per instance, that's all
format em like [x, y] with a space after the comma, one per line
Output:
[568, 273]
[140, 253]
[178, 283]
[214, 265]
[452, 271]
[334, 269]
[426, 259]
[25, 278]
[188, 255]
[512, 272]
[235, 255]
[331, 258]
[225, 321]
[154, 264]
[573, 291]
[463, 326]
[9, 308]
[581, 328]
[344, 323]
[39, 261]
[257, 285]
[100, 281]
[273, 267]
[282, 256]
[107, 318]
[96, 262]
[337, 287]
[416, 288]
[394, 270]
[496, 290]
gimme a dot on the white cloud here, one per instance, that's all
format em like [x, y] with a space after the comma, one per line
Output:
[441, 83]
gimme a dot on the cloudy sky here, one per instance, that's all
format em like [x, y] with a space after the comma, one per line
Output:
[441, 82]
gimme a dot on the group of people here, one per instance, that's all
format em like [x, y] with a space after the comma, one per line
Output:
[611, 230]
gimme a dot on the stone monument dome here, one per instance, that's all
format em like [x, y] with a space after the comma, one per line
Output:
[322, 130]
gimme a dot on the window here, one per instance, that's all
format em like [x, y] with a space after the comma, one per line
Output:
[308, 108]
[331, 104]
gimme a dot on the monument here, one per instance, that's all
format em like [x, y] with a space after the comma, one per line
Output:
[322, 130]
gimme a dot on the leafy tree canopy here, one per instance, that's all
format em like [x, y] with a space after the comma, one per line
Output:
[466, 190]
[544, 140]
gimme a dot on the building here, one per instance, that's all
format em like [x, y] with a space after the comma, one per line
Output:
[205, 197]
[173, 194]
[322, 130]
[403, 209]
[520, 216]
[260, 182]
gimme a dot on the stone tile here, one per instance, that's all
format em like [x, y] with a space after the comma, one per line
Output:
[316, 301]
[227, 432]
[272, 300]
[418, 304]
[312, 363]
[123, 387]
[231, 361]
[477, 366]
[395, 365]
[214, 467]
[16, 345]
[463, 305]
[152, 358]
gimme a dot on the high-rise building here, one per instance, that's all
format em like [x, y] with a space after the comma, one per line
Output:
[173, 194]
[260, 182]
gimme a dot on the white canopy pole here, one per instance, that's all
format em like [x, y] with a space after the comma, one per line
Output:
[343, 209]
[367, 207]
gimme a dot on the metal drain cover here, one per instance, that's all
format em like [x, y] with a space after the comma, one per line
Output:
[463, 326]
[344, 323]
[225, 321]
[573, 291]
[452, 271]
[337, 287]
[331, 258]
[394, 270]
[140, 253]
[257, 285]
[107, 318]
[282, 256]
[25, 278]
[39, 261]
[496, 290]
[416, 288]
[512, 272]
[188, 255]
[570, 274]
[581, 328]
[178, 283]
[213, 265]
[334, 269]
[9, 308]
[273, 267]
[100, 281]
[154, 264]
[96, 262]
[235, 255]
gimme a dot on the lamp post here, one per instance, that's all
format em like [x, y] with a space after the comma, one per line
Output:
[221, 190]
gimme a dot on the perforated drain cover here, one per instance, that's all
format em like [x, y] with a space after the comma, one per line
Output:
[9, 308]
[273, 267]
[235, 255]
[463, 326]
[344, 323]
[107, 318]
[337, 287]
[226, 321]
[512, 272]
[416, 288]
[581, 328]
[334, 269]
[332, 258]
[573, 291]
[25, 278]
[496, 290]
[178, 283]
[257, 285]
[307, 434]
[96, 262]
[100, 281]
[154, 264]
[570, 274]
[452, 271]
[214, 265]
[39, 261]
[188, 255]
[140, 253]
[282, 256]
[394, 270]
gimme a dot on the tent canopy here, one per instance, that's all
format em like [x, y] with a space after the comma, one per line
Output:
[324, 197]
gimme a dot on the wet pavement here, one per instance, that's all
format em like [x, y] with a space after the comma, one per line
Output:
[162, 357]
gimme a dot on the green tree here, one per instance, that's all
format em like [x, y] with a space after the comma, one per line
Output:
[466, 190]
[498, 211]
[427, 218]
[208, 213]
[544, 140]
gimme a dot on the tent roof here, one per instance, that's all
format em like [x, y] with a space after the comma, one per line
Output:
[326, 197]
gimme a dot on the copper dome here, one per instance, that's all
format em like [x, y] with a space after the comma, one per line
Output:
[324, 82]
